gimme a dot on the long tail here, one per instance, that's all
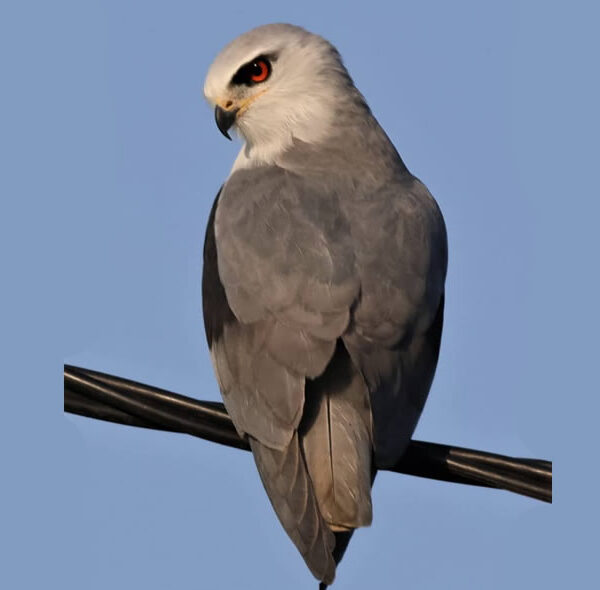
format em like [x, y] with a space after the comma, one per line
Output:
[335, 433]
[336, 438]
[288, 485]
[320, 485]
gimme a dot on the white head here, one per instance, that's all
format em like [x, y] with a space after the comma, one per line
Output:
[277, 83]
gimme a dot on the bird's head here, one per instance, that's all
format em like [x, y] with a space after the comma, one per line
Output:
[274, 84]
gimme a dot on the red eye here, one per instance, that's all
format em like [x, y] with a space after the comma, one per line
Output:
[253, 72]
[260, 71]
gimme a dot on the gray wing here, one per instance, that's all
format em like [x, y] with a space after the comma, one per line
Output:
[275, 306]
[396, 326]
[286, 263]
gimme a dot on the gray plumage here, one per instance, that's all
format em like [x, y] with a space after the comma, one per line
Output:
[323, 301]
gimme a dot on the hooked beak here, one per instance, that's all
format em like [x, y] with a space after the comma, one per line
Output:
[225, 119]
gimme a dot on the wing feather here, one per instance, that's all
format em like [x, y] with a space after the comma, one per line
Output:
[288, 485]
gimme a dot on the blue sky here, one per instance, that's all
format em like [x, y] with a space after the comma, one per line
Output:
[112, 161]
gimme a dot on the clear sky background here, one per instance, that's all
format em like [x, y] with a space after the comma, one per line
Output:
[110, 162]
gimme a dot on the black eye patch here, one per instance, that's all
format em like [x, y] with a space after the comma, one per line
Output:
[254, 72]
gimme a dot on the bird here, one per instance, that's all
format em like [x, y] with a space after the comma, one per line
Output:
[323, 284]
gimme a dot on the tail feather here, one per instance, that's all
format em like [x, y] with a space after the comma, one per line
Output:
[336, 439]
[320, 485]
[288, 485]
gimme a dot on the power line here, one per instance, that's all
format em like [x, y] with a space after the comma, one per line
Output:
[114, 399]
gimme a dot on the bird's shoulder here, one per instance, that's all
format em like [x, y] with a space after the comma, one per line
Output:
[280, 232]
[283, 245]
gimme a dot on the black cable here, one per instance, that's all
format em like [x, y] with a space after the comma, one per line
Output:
[106, 397]
[152, 407]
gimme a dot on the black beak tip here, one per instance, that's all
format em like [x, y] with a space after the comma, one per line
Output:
[225, 119]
